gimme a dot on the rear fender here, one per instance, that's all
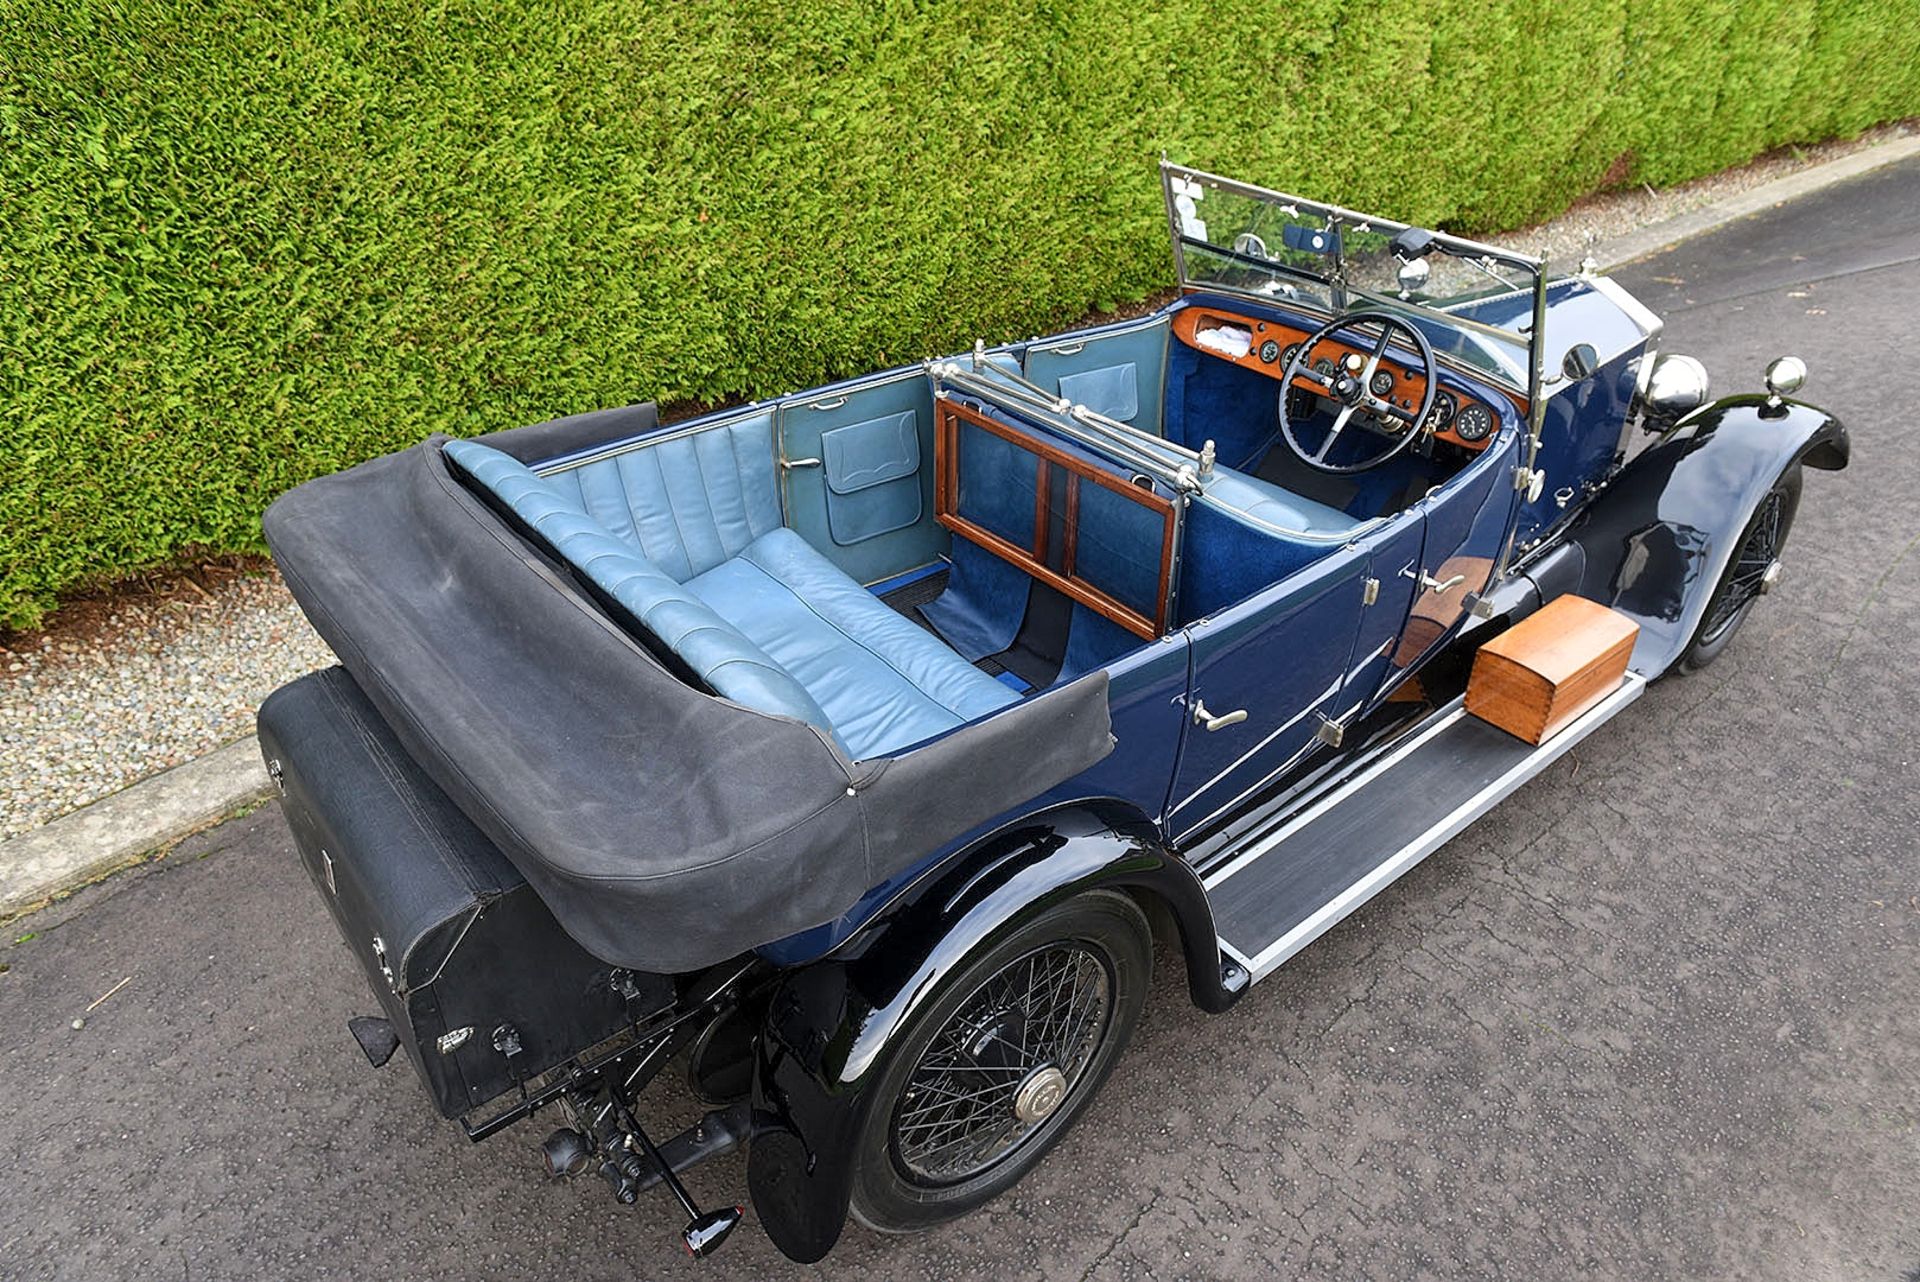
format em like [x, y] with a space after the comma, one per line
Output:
[1657, 539]
[830, 1025]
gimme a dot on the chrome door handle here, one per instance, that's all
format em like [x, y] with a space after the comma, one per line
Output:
[1432, 584]
[1207, 721]
[831, 403]
[790, 463]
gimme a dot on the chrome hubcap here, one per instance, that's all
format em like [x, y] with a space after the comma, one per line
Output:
[1040, 1094]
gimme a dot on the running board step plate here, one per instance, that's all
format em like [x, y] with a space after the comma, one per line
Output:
[1297, 881]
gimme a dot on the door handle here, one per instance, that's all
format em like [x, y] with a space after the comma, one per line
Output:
[790, 463]
[1432, 584]
[1207, 721]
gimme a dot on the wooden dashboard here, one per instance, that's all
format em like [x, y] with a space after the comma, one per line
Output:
[1268, 345]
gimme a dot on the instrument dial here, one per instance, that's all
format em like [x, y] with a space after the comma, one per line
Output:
[1269, 351]
[1381, 384]
[1293, 350]
[1443, 408]
[1474, 424]
[1325, 366]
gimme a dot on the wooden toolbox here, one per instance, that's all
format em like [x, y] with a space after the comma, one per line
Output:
[1550, 667]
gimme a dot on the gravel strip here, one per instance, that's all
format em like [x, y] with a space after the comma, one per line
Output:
[1598, 219]
[153, 683]
[148, 687]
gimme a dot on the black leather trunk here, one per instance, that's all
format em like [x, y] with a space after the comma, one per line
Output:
[454, 943]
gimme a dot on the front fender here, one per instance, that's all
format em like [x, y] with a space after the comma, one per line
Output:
[1657, 539]
[830, 1025]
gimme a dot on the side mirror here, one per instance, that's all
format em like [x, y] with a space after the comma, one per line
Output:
[1580, 361]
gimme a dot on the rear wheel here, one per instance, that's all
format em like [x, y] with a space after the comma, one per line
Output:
[1749, 575]
[997, 1067]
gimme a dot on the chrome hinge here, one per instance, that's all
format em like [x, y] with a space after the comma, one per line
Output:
[1369, 591]
[380, 956]
[1479, 607]
[326, 873]
[1331, 732]
[448, 1043]
[278, 774]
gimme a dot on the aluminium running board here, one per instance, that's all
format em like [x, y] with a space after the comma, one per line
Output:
[1292, 883]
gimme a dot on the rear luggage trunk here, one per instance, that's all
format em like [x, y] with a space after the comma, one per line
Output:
[455, 944]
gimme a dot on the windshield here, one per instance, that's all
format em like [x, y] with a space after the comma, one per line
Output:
[1475, 303]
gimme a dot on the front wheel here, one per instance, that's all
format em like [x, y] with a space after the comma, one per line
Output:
[1749, 574]
[997, 1067]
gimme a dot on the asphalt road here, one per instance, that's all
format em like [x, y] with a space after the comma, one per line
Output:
[1655, 1017]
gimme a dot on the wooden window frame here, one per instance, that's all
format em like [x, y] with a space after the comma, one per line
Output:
[948, 417]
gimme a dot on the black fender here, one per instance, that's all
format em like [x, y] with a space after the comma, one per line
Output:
[830, 1024]
[1656, 540]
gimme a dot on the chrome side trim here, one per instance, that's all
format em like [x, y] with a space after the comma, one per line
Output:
[1384, 874]
[1254, 751]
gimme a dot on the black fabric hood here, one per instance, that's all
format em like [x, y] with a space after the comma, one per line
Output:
[666, 828]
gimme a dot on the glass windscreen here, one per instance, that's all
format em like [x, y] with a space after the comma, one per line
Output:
[1472, 303]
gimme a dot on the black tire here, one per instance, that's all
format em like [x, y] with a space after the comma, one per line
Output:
[1734, 596]
[903, 1186]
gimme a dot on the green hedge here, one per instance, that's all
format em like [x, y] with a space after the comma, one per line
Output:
[243, 244]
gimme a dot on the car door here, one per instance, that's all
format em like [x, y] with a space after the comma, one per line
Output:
[1265, 673]
[856, 473]
[1466, 523]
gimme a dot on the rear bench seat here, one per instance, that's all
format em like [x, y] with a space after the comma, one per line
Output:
[774, 626]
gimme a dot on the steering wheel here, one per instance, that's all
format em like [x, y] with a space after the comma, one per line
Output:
[1351, 390]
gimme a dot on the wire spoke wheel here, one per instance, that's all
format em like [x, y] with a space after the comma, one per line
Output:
[1007, 1050]
[1746, 577]
[1749, 574]
[1002, 1065]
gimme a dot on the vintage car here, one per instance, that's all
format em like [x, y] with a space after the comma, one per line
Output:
[851, 749]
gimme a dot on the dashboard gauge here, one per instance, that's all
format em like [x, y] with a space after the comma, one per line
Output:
[1443, 408]
[1474, 424]
[1269, 351]
[1293, 350]
[1325, 366]
[1381, 384]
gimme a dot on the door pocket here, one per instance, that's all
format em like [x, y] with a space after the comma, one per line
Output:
[1113, 390]
[873, 477]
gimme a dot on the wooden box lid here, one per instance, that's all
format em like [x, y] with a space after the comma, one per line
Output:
[1550, 667]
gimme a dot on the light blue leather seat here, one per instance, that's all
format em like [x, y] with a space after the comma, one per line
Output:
[1267, 502]
[717, 652]
[688, 503]
[884, 681]
[776, 627]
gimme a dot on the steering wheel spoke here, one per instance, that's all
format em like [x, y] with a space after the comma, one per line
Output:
[1340, 421]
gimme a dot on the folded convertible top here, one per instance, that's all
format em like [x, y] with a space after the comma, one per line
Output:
[666, 828]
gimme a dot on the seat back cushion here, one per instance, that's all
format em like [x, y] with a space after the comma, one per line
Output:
[717, 652]
[689, 502]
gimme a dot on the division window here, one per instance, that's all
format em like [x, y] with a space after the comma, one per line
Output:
[1061, 515]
